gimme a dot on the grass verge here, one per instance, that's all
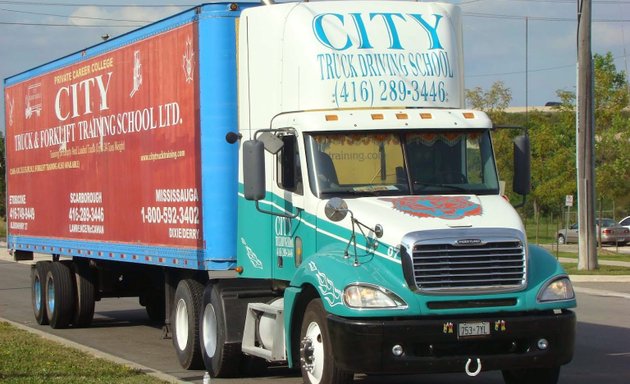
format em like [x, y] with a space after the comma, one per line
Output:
[602, 254]
[28, 358]
[571, 269]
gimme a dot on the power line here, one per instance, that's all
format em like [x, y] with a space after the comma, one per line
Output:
[521, 72]
[534, 70]
[69, 25]
[74, 17]
[573, 1]
[108, 5]
[471, 14]
[539, 18]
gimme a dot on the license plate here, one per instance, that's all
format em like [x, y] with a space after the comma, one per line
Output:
[473, 329]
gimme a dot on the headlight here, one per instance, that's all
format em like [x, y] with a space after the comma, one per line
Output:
[557, 290]
[371, 296]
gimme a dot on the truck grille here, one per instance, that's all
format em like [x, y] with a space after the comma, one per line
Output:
[467, 265]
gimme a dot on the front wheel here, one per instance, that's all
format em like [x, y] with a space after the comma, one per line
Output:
[316, 359]
[185, 320]
[561, 239]
[536, 375]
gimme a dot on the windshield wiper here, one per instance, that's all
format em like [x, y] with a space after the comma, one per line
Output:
[422, 186]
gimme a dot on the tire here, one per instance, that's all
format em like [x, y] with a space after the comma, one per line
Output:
[38, 291]
[221, 359]
[534, 375]
[60, 295]
[185, 323]
[85, 294]
[316, 359]
[561, 239]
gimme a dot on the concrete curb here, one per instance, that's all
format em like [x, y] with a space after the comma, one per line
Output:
[96, 353]
[601, 292]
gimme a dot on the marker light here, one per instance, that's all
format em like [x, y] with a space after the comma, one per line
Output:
[557, 290]
[371, 297]
[297, 245]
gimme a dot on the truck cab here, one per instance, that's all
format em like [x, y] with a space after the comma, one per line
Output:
[369, 195]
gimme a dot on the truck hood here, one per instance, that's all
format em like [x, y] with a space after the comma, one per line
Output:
[404, 214]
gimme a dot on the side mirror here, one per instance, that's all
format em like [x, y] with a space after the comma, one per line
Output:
[522, 167]
[336, 209]
[254, 170]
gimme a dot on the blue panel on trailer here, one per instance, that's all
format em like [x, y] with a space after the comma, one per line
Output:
[141, 254]
[218, 116]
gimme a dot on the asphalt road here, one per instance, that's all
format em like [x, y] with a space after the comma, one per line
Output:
[121, 329]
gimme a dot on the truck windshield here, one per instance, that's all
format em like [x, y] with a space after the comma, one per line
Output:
[401, 163]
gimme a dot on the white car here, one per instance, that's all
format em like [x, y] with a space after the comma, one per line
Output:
[611, 233]
[625, 222]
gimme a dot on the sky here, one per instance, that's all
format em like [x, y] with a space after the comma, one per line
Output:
[533, 65]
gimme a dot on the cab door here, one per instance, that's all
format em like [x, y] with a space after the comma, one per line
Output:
[292, 229]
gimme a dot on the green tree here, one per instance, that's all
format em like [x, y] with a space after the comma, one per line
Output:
[611, 90]
[553, 160]
[553, 139]
[494, 101]
[612, 129]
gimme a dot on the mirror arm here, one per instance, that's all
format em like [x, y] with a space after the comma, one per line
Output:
[377, 230]
[285, 215]
[522, 203]
[275, 130]
[353, 241]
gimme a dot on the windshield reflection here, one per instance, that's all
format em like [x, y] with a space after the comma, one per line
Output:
[401, 163]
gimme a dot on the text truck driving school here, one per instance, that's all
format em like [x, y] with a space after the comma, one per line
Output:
[292, 183]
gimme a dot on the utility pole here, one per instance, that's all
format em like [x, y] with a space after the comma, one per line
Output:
[585, 135]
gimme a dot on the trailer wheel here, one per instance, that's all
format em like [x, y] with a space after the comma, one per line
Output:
[185, 321]
[59, 295]
[38, 291]
[85, 294]
[220, 358]
[537, 375]
[316, 360]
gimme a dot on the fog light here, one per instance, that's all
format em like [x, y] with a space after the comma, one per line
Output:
[543, 344]
[397, 350]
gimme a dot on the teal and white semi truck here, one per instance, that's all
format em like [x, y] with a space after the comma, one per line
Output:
[294, 183]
